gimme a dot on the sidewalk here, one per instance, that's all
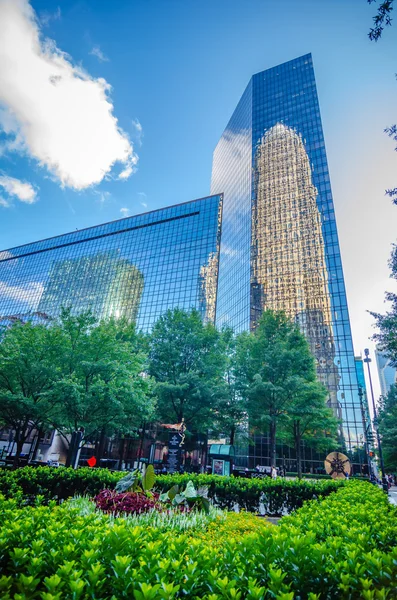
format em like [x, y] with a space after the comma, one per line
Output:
[393, 495]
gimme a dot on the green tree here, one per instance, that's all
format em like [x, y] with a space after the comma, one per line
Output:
[387, 323]
[274, 367]
[103, 387]
[232, 405]
[309, 419]
[28, 370]
[382, 18]
[187, 360]
[387, 419]
[73, 374]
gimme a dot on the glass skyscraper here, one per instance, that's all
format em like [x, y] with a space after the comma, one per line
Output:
[280, 246]
[136, 268]
[386, 371]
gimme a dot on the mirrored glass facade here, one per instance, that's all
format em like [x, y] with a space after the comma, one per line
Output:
[387, 373]
[280, 246]
[136, 267]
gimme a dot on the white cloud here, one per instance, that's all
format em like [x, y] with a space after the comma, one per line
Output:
[46, 17]
[125, 212]
[137, 131]
[127, 172]
[137, 125]
[9, 125]
[143, 199]
[102, 196]
[96, 51]
[55, 111]
[29, 291]
[16, 188]
[228, 251]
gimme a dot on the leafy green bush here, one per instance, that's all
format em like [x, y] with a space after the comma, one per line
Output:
[188, 498]
[277, 496]
[343, 546]
[323, 476]
[58, 483]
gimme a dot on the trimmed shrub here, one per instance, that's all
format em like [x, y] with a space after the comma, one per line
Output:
[277, 496]
[56, 483]
[343, 546]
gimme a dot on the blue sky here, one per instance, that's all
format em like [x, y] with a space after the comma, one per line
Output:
[177, 69]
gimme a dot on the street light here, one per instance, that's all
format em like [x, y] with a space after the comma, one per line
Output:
[366, 442]
[382, 465]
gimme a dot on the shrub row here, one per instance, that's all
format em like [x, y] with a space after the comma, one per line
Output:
[274, 496]
[278, 496]
[343, 546]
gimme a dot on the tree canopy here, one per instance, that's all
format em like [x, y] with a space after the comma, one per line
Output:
[103, 388]
[277, 375]
[309, 419]
[29, 367]
[387, 420]
[386, 324]
[73, 374]
[187, 361]
[104, 378]
[232, 410]
[382, 18]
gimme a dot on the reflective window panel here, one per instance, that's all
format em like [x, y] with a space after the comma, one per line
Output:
[136, 267]
[280, 246]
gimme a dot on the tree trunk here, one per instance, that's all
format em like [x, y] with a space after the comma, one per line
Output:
[37, 439]
[101, 445]
[72, 444]
[122, 449]
[232, 434]
[140, 451]
[298, 449]
[272, 435]
[20, 441]
[74, 449]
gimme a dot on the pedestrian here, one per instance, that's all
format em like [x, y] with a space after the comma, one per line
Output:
[274, 472]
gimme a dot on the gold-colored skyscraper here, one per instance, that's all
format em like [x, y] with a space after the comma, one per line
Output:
[208, 287]
[289, 269]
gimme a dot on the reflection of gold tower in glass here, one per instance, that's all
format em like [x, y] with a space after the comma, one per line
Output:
[289, 271]
[124, 295]
[208, 287]
[104, 282]
[208, 278]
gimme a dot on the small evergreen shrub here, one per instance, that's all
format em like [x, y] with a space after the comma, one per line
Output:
[343, 546]
[276, 497]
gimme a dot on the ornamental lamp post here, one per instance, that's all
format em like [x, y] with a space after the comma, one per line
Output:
[366, 442]
[375, 421]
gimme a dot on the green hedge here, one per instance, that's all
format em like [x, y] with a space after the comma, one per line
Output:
[278, 496]
[322, 476]
[343, 546]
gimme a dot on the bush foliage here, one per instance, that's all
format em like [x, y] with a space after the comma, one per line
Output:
[278, 496]
[343, 546]
[126, 502]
